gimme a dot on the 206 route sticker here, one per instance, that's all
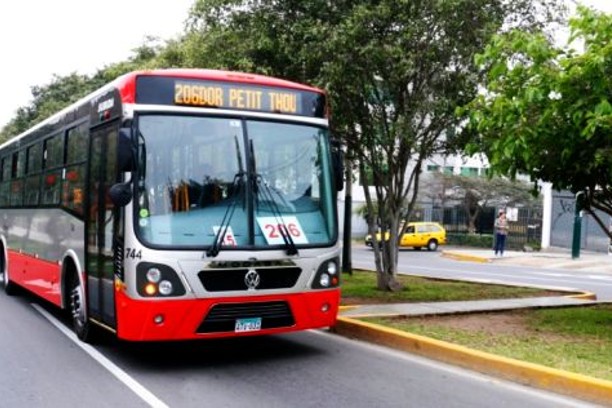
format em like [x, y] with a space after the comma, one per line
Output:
[273, 229]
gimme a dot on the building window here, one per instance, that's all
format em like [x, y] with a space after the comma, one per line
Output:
[469, 171]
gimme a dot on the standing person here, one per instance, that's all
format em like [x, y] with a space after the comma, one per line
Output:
[501, 231]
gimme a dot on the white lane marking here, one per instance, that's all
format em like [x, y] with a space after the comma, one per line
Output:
[121, 375]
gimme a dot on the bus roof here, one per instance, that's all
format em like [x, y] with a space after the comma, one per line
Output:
[126, 85]
[217, 75]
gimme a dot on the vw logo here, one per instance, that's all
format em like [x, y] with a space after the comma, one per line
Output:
[252, 279]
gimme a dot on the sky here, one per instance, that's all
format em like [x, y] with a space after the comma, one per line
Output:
[40, 38]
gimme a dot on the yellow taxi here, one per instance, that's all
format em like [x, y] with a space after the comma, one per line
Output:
[418, 235]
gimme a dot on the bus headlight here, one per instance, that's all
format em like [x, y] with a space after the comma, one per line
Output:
[327, 275]
[324, 280]
[153, 275]
[158, 280]
[165, 287]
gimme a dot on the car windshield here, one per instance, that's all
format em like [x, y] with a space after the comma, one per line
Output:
[257, 180]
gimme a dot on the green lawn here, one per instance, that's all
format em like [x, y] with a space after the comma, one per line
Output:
[360, 288]
[576, 339]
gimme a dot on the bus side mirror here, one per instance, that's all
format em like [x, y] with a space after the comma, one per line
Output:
[338, 167]
[126, 151]
[120, 194]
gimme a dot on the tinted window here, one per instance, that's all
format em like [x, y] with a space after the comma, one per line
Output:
[3, 170]
[33, 159]
[53, 152]
[76, 144]
[21, 163]
[51, 187]
[32, 188]
[74, 188]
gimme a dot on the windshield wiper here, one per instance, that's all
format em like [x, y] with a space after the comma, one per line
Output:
[267, 195]
[257, 181]
[214, 249]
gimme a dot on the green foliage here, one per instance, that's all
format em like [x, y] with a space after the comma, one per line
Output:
[476, 193]
[63, 90]
[470, 240]
[47, 100]
[395, 72]
[547, 113]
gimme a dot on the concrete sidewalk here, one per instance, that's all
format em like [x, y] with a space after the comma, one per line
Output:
[437, 308]
[552, 258]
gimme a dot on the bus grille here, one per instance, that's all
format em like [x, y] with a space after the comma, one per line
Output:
[222, 318]
[221, 280]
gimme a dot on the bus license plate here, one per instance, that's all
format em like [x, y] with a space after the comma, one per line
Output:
[248, 325]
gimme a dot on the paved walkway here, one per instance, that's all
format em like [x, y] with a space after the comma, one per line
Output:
[552, 258]
[431, 308]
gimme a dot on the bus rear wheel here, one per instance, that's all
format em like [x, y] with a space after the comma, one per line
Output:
[80, 324]
[9, 287]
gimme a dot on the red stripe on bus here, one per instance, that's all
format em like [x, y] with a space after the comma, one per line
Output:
[39, 276]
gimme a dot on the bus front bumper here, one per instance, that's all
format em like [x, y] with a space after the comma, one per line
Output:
[177, 319]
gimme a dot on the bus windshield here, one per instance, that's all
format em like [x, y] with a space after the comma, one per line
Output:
[259, 181]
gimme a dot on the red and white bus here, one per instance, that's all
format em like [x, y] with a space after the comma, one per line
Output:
[177, 204]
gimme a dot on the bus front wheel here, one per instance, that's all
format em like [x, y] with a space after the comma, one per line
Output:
[81, 325]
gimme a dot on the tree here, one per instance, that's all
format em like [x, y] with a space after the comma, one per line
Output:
[47, 100]
[477, 193]
[61, 91]
[546, 111]
[395, 72]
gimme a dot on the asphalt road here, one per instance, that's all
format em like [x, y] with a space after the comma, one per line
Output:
[43, 365]
[432, 264]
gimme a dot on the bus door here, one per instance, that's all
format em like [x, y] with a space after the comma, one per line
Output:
[103, 223]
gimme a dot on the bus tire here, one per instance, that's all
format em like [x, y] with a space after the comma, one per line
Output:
[81, 325]
[9, 287]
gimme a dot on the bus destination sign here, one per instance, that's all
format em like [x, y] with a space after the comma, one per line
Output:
[217, 94]
[236, 97]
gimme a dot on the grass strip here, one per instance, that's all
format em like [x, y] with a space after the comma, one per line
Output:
[360, 288]
[576, 339]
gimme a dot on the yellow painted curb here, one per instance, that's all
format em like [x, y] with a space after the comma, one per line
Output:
[584, 296]
[465, 257]
[559, 381]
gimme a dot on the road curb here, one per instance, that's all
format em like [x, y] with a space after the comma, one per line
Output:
[464, 257]
[584, 296]
[559, 381]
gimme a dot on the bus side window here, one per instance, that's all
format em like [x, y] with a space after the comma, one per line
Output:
[74, 183]
[17, 170]
[53, 158]
[4, 182]
[32, 181]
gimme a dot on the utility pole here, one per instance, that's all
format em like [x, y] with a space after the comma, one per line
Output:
[347, 266]
[577, 235]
